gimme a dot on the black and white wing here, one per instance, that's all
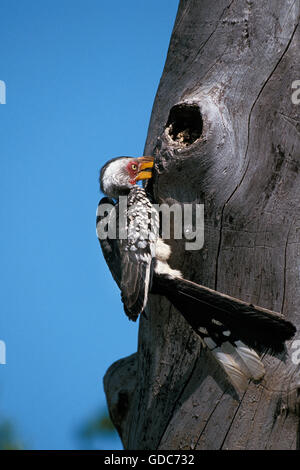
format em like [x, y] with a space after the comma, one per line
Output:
[232, 330]
[107, 216]
[138, 252]
[130, 255]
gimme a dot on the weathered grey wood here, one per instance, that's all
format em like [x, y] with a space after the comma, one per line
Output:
[119, 386]
[236, 61]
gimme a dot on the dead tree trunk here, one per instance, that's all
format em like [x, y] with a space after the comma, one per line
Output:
[226, 133]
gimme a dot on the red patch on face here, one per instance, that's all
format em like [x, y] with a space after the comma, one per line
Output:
[132, 168]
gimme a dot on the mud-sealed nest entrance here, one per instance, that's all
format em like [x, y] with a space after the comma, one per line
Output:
[184, 125]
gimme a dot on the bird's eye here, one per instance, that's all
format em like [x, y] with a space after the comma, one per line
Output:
[134, 167]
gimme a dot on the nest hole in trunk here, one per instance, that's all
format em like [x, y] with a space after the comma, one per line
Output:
[185, 124]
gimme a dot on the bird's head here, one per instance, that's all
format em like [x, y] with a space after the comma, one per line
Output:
[118, 175]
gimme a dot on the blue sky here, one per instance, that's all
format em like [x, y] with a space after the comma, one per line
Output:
[81, 77]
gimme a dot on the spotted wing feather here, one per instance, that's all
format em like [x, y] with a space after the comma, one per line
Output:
[107, 215]
[130, 258]
[137, 252]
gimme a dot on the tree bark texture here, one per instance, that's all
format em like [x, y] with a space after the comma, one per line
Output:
[225, 133]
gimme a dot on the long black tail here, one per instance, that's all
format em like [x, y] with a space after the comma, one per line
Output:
[224, 318]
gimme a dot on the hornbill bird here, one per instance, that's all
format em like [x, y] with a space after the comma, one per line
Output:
[128, 231]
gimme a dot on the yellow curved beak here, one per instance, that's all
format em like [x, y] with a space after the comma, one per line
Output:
[145, 168]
